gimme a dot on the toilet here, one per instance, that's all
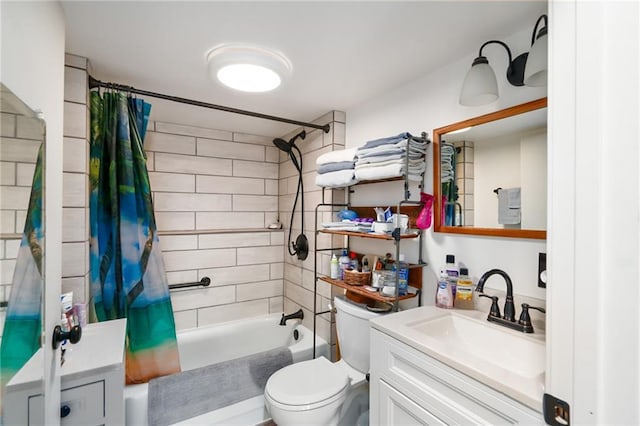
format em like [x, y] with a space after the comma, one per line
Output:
[314, 392]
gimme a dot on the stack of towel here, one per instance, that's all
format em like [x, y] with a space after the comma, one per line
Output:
[336, 169]
[387, 157]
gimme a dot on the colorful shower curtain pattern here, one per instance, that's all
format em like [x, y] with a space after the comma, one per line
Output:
[127, 272]
[23, 321]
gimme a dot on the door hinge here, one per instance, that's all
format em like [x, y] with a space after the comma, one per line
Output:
[556, 411]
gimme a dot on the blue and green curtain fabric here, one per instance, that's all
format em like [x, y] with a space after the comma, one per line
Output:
[23, 321]
[127, 272]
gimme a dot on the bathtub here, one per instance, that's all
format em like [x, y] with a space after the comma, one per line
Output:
[208, 345]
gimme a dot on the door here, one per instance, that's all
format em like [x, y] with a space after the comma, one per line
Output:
[33, 53]
[594, 231]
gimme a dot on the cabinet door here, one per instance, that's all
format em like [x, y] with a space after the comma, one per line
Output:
[396, 409]
[439, 389]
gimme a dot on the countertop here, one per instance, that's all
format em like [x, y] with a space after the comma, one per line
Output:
[481, 362]
[100, 349]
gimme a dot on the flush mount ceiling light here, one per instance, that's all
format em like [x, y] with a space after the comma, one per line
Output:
[530, 68]
[248, 68]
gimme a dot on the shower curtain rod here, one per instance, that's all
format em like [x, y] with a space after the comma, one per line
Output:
[93, 83]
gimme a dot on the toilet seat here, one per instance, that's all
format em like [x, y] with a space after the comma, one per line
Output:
[307, 385]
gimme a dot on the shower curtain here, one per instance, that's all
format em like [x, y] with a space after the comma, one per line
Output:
[127, 272]
[23, 321]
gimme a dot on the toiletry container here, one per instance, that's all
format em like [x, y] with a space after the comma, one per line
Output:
[345, 263]
[403, 275]
[353, 261]
[335, 268]
[464, 291]
[444, 297]
[452, 272]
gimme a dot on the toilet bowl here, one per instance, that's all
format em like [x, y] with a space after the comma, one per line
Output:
[313, 392]
[308, 392]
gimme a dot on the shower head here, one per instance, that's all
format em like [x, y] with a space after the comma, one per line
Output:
[282, 145]
[285, 146]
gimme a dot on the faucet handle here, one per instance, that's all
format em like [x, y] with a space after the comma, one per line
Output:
[495, 309]
[525, 319]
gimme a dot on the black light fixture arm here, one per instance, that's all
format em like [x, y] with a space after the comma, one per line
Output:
[501, 43]
[93, 83]
[543, 30]
[515, 70]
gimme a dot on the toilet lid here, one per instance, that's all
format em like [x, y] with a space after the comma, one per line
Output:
[307, 382]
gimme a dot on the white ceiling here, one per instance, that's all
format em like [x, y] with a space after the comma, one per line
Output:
[343, 53]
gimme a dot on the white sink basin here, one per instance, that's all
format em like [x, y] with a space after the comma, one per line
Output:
[481, 344]
[510, 361]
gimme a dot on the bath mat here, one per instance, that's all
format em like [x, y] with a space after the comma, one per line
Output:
[191, 393]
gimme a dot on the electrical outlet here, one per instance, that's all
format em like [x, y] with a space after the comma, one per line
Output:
[542, 270]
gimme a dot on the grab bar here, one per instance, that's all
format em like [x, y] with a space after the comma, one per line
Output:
[204, 282]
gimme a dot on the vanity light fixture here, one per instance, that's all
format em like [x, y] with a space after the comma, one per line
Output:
[530, 68]
[248, 68]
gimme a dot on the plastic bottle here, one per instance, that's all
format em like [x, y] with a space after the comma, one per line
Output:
[345, 263]
[444, 298]
[335, 268]
[365, 265]
[403, 275]
[452, 272]
[354, 264]
[464, 291]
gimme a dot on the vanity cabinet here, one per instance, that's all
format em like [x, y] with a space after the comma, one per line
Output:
[91, 381]
[409, 387]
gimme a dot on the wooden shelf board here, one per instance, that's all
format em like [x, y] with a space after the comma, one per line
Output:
[362, 292]
[368, 235]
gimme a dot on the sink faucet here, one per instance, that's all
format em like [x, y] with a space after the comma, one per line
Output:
[509, 308]
[298, 314]
[508, 320]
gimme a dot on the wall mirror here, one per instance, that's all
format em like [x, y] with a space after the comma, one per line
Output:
[22, 247]
[491, 177]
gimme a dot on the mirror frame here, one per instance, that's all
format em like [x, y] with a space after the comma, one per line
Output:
[482, 119]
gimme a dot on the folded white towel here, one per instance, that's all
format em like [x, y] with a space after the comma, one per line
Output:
[337, 156]
[384, 172]
[379, 159]
[338, 179]
[382, 149]
[415, 166]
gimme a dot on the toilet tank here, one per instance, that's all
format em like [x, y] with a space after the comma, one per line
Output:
[352, 324]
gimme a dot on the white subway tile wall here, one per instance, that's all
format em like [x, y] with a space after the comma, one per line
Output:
[75, 178]
[214, 193]
[298, 275]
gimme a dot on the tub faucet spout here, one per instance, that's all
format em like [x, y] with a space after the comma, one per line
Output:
[296, 315]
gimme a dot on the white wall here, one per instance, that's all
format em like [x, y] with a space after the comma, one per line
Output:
[489, 173]
[533, 164]
[431, 102]
[33, 39]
